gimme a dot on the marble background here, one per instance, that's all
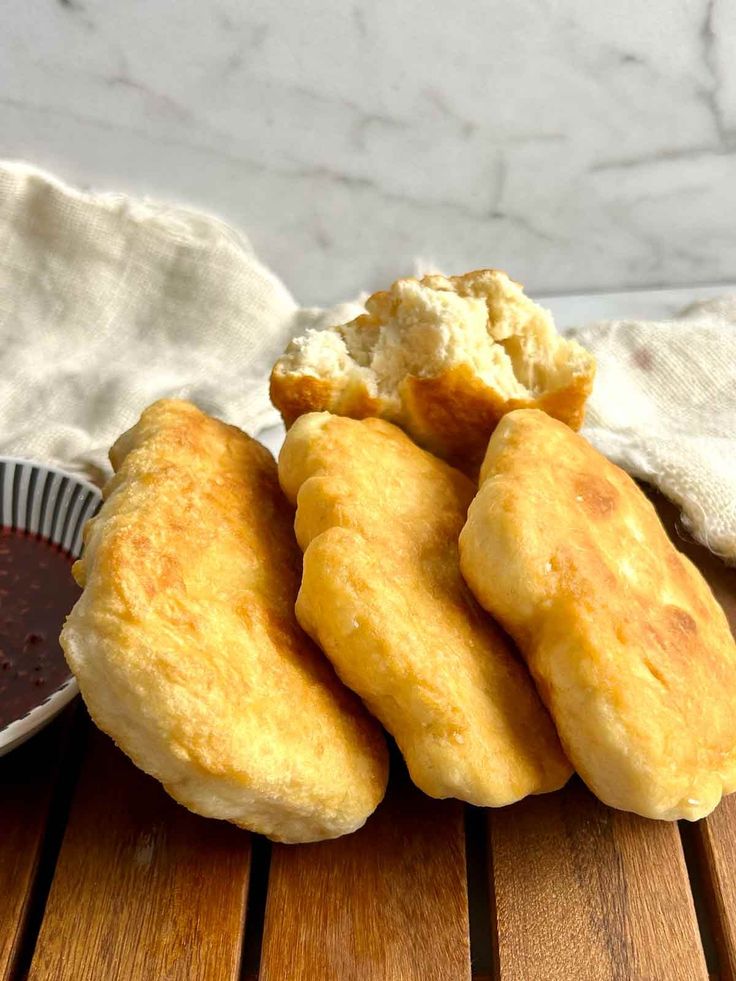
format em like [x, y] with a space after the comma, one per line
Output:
[580, 145]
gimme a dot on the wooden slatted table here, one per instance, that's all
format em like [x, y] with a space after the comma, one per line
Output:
[104, 878]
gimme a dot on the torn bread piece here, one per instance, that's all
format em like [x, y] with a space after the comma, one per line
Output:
[185, 643]
[631, 652]
[383, 596]
[444, 358]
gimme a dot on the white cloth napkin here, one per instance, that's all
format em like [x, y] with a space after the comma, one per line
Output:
[107, 303]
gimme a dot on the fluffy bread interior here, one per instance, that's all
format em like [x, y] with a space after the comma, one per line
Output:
[423, 328]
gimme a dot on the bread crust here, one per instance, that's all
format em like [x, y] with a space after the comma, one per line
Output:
[309, 394]
[382, 594]
[454, 414]
[631, 653]
[185, 644]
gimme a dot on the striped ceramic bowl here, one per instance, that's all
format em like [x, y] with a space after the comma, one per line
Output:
[54, 505]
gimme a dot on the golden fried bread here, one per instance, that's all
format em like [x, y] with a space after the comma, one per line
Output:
[383, 596]
[442, 357]
[185, 643]
[630, 651]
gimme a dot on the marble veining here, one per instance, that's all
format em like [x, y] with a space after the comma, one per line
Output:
[580, 146]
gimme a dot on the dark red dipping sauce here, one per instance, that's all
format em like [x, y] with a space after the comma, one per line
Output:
[36, 593]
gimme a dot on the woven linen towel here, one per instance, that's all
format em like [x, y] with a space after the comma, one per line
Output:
[107, 303]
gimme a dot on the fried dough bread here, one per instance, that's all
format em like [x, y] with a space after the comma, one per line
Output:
[631, 653]
[382, 594]
[442, 357]
[185, 644]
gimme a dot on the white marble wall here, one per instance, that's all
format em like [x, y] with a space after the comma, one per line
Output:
[580, 144]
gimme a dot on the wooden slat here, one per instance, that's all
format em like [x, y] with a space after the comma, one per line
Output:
[584, 891]
[28, 777]
[143, 889]
[387, 902]
[716, 835]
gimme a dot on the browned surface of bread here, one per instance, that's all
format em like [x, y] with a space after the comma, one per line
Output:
[383, 596]
[631, 653]
[186, 646]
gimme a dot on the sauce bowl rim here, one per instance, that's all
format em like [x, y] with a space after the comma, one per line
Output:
[16, 732]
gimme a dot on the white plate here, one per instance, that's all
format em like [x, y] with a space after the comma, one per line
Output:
[48, 502]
